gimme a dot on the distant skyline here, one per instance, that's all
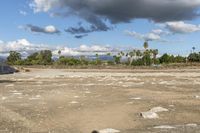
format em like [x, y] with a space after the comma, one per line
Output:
[80, 26]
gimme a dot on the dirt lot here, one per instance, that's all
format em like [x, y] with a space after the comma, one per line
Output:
[80, 101]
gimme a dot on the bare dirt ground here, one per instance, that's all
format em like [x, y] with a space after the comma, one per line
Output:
[79, 101]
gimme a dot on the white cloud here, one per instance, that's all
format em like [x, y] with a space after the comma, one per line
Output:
[182, 27]
[160, 32]
[43, 5]
[94, 48]
[25, 48]
[154, 35]
[50, 29]
[83, 50]
[22, 45]
[65, 51]
[23, 13]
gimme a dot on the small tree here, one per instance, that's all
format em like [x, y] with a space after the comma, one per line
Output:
[155, 53]
[145, 45]
[193, 49]
[59, 52]
[45, 57]
[117, 59]
[13, 57]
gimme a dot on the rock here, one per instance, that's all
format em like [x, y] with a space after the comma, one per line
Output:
[109, 130]
[164, 127]
[158, 109]
[149, 115]
[95, 131]
[5, 69]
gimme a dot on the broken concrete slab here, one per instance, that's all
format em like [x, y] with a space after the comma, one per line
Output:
[149, 115]
[159, 109]
[191, 125]
[164, 127]
[109, 130]
[152, 113]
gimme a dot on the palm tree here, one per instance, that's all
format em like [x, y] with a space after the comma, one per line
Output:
[121, 53]
[97, 56]
[59, 52]
[108, 54]
[155, 53]
[193, 49]
[146, 45]
[131, 56]
[138, 53]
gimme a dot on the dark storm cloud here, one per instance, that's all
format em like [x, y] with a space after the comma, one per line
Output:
[78, 30]
[81, 29]
[46, 30]
[99, 12]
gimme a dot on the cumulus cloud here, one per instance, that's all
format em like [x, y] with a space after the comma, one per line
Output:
[84, 50]
[182, 27]
[98, 12]
[154, 35]
[22, 45]
[50, 29]
[94, 48]
[26, 48]
[65, 51]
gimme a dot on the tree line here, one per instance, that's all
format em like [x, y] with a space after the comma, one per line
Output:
[146, 57]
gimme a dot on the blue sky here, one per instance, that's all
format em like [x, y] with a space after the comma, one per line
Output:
[16, 15]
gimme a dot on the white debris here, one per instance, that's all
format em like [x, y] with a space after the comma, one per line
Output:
[73, 102]
[109, 130]
[10, 85]
[152, 113]
[136, 98]
[129, 103]
[197, 97]
[39, 82]
[38, 96]
[4, 98]
[17, 93]
[14, 91]
[191, 125]
[149, 115]
[164, 127]
[159, 109]
[35, 98]
[37, 76]
[87, 92]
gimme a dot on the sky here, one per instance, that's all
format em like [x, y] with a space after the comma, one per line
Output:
[79, 27]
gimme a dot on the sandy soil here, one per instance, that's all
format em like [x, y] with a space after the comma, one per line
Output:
[80, 101]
